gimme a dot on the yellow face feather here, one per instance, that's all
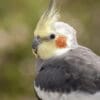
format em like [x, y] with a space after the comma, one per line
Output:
[64, 35]
[44, 29]
[45, 23]
[46, 49]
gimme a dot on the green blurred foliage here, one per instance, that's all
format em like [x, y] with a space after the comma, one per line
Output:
[18, 19]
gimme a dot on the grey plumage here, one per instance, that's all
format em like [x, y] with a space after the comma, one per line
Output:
[77, 70]
[63, 67]
[78, 55]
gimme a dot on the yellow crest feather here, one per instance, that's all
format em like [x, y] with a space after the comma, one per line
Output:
[47, 19]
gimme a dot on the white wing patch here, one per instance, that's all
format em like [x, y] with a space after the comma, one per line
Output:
[44, 95]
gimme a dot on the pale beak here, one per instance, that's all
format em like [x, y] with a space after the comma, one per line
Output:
[33, 51]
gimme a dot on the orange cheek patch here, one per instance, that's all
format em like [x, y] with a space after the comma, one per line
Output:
[61, 42]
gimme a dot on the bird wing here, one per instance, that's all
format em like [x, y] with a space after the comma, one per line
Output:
[85, 55]
[84, 66]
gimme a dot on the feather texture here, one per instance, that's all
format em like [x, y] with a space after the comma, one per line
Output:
[49, 17]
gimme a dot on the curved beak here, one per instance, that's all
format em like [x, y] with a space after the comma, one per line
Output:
[33, 51]
[35, 44]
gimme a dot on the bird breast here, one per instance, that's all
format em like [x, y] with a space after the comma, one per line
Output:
[47, 95]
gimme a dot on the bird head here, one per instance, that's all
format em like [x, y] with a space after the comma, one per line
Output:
[51, 36]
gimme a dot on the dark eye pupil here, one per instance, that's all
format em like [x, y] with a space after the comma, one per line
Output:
[52, 36]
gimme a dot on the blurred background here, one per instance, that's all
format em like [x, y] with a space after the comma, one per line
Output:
[18, 19]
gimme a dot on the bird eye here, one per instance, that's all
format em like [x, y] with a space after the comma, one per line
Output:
[52, 36]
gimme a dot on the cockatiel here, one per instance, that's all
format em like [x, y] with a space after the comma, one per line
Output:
[65, 70]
